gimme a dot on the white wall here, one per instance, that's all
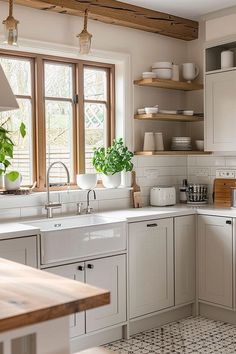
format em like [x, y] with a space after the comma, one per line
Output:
[142, 49]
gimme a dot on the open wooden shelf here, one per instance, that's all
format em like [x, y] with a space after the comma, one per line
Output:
[169, 84]
[189, 152]
[168, 117]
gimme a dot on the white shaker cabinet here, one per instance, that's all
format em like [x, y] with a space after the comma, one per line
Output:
[220, 111]
[215, 250]
[22, 250]
[74, 271]
[107, 273]
[185, 259]
[151, 269]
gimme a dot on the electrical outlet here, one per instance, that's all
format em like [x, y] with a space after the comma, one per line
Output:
[225, 173]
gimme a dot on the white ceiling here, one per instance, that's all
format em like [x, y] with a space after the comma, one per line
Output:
[192, 9]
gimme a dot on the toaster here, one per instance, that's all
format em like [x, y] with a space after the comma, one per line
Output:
[163, 196]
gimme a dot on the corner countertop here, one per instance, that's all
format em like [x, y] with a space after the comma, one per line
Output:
[148, 213]
[13, 229]
[29, 296]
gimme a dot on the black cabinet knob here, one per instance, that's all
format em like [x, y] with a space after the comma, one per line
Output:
[90, 266]
[228, 222]
[81, 268]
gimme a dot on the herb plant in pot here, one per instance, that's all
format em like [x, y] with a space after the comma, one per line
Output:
[111, 162]
[12, 180]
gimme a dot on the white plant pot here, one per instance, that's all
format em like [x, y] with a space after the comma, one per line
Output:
[87, 180]
[111, 181]
[1, 181]
[126, 179]
[12, 186]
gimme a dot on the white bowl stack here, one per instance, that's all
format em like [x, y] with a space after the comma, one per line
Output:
[181, 143]
[163, 69]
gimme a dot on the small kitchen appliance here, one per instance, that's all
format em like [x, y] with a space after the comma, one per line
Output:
[163, 196]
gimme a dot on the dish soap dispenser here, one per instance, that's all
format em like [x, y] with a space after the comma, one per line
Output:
[183, 191]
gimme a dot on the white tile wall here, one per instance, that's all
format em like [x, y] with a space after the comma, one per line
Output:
[159, 170]
[150, 170]
[202, 169]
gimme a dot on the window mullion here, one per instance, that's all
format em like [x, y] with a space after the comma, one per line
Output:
[40, 124]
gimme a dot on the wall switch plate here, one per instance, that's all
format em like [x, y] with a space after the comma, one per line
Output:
[225, 173]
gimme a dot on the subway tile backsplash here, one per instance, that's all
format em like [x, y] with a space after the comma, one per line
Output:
[150, 171]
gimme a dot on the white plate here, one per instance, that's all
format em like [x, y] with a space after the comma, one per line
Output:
[165, 111]
[188, 113]
[149, 75]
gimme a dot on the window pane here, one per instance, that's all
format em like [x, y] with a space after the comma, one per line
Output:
[22, 159]
[95, 130]
[18, 72]
[95, 84]
[59, 138]
[58, 80]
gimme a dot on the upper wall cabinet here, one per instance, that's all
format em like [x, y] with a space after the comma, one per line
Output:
[220, 99]
[220, 111]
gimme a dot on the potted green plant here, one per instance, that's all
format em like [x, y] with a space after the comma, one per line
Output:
[13, 178]
[111, 161]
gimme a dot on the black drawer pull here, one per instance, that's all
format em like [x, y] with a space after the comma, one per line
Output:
[229, 222]
[81, 268]
[152, 225]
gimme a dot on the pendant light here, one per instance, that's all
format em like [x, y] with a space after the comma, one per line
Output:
[10, 24]
[85, 37]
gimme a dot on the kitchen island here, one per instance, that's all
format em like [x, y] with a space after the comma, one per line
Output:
[35, 308]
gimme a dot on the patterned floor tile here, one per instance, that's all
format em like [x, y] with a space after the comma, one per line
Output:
[188, 336]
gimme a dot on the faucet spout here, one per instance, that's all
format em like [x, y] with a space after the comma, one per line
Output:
[88, 208]
[49, 206]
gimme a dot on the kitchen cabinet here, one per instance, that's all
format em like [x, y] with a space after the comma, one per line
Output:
[74, 271]
[22, 250]
[215, 252]
[107, 273]
[220, 110]
[185, 259]
[151, 268]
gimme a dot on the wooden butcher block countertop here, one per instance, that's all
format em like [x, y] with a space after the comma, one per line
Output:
[29, 296]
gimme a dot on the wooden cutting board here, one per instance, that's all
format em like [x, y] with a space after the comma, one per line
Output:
[222, 191]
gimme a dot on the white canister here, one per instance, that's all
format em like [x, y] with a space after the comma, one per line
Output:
[149, 141]
[159, 145]
[175, 72]
[227, 59]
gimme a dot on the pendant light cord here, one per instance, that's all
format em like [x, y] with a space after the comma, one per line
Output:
[10, 8]
[85, 19]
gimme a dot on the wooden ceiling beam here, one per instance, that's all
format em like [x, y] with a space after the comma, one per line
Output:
[122, 14]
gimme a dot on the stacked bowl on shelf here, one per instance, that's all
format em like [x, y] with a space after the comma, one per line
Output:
[162, 69]
[181, 143]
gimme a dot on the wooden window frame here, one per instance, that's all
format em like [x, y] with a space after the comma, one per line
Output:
[38, 110]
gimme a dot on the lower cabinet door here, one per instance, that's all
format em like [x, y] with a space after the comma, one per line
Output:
[74, 272]
[215, 252]
[185, 259]
[151, 267]
[21, 250]
[107, 273]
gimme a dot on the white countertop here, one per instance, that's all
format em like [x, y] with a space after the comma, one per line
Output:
[12, 230]
[147, 213]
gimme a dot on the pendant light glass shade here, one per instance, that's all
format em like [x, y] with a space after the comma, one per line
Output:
[85, 37]
[10, 27]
